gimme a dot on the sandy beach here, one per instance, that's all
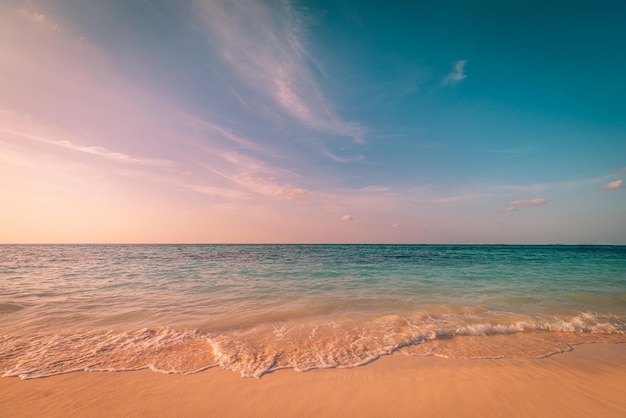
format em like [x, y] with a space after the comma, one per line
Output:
[588, 381]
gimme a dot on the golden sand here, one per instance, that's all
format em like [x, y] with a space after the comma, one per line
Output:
[587, 382]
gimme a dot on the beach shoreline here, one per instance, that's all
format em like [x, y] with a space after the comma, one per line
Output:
[587, 381]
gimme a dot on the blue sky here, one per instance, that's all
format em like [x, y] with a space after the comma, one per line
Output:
[313, 121]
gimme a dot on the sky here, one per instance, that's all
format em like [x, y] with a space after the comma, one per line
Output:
[343, 121]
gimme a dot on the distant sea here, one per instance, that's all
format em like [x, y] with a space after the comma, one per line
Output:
[254, 309]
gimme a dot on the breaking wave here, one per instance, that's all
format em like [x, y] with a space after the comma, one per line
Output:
[301, 346]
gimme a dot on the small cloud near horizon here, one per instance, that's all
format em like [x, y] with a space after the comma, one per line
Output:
[614, 185]
[518, 204]
[347, 218]
[456, 75]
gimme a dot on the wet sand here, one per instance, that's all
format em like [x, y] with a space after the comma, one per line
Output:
[588, 381]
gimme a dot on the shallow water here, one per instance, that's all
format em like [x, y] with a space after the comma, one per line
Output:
[258, 308]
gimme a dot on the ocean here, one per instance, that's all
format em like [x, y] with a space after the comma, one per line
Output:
[254, 309]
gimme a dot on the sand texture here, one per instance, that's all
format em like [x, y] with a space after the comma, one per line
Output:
[587, 382]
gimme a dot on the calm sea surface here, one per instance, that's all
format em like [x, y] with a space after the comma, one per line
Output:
[258, 308]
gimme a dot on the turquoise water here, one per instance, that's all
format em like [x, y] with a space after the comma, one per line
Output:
[258, 308]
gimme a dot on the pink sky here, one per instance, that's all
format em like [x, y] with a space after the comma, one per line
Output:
[92, 151]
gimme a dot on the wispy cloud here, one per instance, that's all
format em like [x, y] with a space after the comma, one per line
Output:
[614, 185]
[518, 204]
[38, 17]
[375, 189]
[263, 43]
[214, 192]
[456, 75]
[347, 218]
[339, 159]
[256, 177]
[89, 149]
[291, 193]
[206, 128]
[269, 186]
[457, 196]
[557, 185]
[525, 187]
[450, 199]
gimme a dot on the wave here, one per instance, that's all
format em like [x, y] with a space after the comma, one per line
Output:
[300, 345]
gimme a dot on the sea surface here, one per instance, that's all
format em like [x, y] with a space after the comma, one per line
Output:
[255, 309]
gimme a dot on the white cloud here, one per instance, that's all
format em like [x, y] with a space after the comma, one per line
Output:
[263, 43]
[517, 204]
[614, 185]
[456, 75]
[347, 218]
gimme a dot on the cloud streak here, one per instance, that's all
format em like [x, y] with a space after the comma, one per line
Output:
[342, 160]
[519, 204]
[264, 45]
[457, 74]
[256, 177]
[93, 150]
